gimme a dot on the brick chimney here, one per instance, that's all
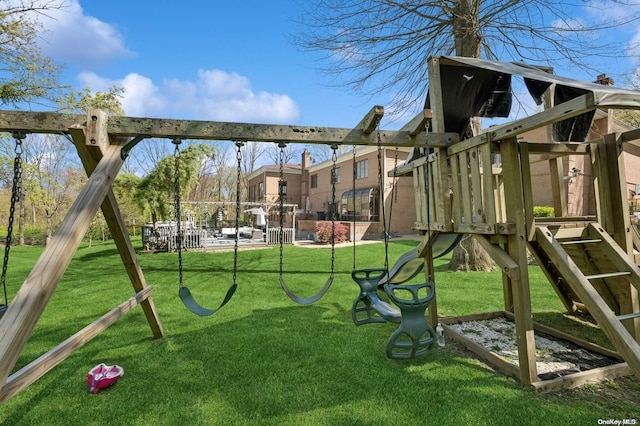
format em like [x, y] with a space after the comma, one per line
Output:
[604, 80]
[304, 179]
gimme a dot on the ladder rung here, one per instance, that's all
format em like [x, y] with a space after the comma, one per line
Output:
[580, 242]
[608, 275]
[629, 316]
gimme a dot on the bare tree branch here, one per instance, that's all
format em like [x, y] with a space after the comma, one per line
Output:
[381, 47]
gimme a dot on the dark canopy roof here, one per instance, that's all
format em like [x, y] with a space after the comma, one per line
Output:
[478, 88]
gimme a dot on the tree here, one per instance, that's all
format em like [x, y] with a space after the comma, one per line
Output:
[290, 152]
[27, 75]
[377, 47]
[154, 193]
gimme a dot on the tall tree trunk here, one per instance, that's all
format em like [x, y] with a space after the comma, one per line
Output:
[466, 33]
[469, 255]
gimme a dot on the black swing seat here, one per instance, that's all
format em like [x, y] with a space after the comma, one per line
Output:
[305, 300]
[196, 308]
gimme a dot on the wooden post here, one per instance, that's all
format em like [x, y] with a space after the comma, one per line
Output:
[90, 154]
[517, 250]
[36, 291]
[621, 222]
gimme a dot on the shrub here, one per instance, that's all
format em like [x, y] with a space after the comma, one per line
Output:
[323, 232]
[543, 211]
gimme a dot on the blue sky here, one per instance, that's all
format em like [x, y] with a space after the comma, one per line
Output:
[203, 59]
[227, 61]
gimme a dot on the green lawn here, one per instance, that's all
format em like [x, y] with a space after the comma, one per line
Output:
[265, 360]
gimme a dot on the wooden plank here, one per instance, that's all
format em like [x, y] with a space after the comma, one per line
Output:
[90, 154]
[417, 124]
[40, 366]
[39, 122]
[583, 377]
[419, 193]
[558, 187]
[604, 316]
[561, 148]
[211, 130]
[457, 209]
[465, 188]
[601, 185]
[527, 191]
[481, 316]
[34, 294]
[568, 109]
[477, 205]
[474, 228]
[616, 255]
[435, 95]
[370, 122]
[618, 194]
[517, 249]
[488, 203]
[497, 253]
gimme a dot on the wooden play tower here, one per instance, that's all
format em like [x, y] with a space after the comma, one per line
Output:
[482, 185]
[479, 185]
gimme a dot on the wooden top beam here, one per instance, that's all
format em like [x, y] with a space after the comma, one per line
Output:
[46, 122]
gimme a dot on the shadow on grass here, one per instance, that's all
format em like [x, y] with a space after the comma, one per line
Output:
[274, 366]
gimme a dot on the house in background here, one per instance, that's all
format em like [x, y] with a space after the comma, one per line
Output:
[309, 186]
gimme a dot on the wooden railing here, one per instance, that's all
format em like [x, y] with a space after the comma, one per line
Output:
[454, 194]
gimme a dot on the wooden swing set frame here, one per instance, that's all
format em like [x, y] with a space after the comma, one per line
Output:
[445, 179]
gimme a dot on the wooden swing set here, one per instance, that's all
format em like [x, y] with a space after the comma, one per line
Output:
[458, 188]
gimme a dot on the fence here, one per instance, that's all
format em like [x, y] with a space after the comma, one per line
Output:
[273, 236]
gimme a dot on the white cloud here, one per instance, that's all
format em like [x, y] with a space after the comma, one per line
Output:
[72, 37]
[214, 95]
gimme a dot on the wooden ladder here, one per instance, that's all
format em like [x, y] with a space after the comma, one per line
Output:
[588, 265]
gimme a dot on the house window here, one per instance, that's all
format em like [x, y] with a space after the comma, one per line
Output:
[314, 181]
[362, 169]
[335, 175]
[363, 203]
[260, 190]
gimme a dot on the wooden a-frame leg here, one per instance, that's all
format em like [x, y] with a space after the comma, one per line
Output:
[26, 308]
[90, 156]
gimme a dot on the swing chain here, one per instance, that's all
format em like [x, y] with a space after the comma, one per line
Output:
[334, 207]
[395, 176]
[239, 146]
[353, 200]
[178, 213]
[16, 193]
[282, 146]
[382, 200]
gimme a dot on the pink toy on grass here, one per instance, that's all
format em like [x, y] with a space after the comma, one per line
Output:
[102, 376]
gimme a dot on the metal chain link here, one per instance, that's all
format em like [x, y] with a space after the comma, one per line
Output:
[282, 146]
[239, 146]
[16, 193]
[334, 159]
[353, 197]
[178, 213]
[395, 177]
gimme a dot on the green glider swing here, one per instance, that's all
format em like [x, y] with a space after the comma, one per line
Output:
[185, 294]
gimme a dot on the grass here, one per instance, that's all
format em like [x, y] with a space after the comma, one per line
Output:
[265, 360]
